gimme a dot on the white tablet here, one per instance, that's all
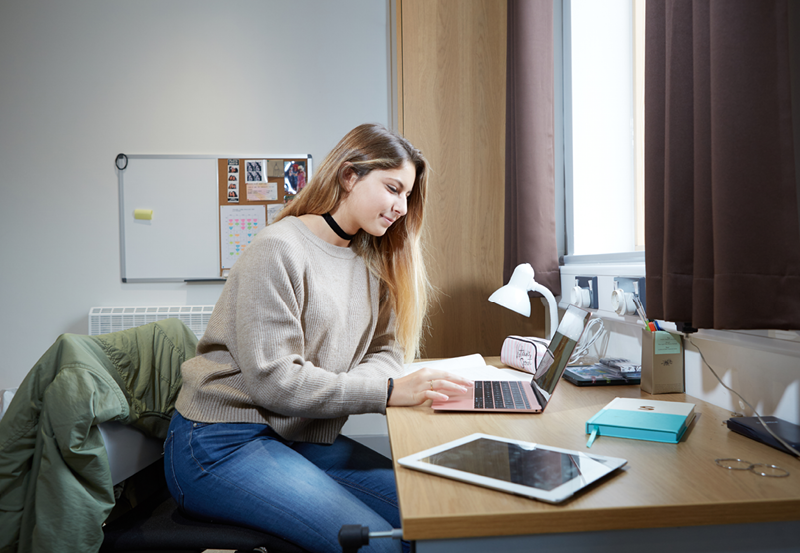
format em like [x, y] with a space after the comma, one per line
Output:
[531, 470]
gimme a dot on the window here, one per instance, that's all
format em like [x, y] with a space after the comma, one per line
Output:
[601, 84]
[602, 75]
[603, 91]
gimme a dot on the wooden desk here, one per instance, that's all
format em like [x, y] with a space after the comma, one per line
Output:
[662, 486]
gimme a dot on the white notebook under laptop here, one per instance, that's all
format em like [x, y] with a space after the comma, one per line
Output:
[518, 396]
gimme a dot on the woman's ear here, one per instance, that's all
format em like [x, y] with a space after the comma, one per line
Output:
[350, 177]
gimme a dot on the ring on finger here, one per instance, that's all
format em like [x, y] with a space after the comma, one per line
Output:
[431, 385]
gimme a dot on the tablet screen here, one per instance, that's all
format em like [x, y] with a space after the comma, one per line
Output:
[526, 465]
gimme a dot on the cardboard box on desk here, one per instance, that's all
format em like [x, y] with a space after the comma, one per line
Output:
[662, 362]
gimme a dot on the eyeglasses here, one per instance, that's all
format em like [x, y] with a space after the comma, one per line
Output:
[761, 469]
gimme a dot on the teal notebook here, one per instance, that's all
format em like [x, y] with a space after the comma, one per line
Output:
[641, 419]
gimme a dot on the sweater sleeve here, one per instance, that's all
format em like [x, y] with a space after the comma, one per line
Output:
[384, 358]
[269, 299]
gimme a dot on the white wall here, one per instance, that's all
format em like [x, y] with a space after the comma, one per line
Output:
[83, 80]
[765, 372]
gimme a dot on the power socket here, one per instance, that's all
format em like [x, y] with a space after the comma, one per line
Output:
[585, 293]
[625, 289]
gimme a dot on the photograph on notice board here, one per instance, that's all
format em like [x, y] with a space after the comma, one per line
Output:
[274, 168]
[233, 180]
[255, 170]
[294, 176]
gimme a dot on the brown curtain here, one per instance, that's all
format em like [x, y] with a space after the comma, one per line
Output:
[721, 209]
[530, 224]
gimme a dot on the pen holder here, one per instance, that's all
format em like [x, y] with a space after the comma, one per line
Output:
[662, 362]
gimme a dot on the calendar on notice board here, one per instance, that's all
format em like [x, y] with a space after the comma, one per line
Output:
[238, 227]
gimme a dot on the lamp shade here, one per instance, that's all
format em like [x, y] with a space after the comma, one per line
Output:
[514, 295]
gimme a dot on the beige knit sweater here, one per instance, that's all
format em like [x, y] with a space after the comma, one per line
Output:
[299, 339]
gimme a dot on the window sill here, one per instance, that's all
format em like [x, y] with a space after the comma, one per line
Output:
[774, 341]
[633, 258]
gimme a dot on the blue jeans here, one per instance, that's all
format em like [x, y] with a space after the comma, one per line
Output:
[247, 475]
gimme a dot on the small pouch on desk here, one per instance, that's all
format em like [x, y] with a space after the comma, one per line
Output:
[523, 353]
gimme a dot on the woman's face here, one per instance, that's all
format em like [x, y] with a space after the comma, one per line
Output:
[376, 201]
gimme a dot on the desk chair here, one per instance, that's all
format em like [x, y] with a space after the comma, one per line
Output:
[157, 525]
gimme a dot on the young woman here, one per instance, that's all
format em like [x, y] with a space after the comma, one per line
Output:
[313, 325]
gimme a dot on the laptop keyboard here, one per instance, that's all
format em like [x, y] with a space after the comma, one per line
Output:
[500, 394]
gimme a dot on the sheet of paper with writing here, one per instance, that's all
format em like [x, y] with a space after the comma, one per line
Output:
[470, 366]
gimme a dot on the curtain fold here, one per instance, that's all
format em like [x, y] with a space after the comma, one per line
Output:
[530, 225]
[722, 231]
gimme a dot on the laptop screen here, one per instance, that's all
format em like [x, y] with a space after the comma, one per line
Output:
[555, 359]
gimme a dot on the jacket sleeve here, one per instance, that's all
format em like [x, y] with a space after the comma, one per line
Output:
[70, 509]
[55, 481]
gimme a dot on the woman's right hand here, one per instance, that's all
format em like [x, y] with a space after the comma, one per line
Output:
[424, 384]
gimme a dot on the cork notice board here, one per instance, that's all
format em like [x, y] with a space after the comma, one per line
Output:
[252, 191]
[188, 218]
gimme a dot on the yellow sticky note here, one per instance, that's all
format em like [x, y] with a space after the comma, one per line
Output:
[145, 214]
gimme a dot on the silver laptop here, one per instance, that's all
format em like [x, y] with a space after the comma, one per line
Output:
[519, 396]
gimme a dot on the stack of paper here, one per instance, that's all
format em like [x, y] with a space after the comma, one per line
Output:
[641, 419]
[472, 366]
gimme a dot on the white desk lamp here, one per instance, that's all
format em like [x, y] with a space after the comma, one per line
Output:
[514, 295]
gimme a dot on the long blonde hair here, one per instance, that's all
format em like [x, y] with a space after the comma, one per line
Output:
[396, 257]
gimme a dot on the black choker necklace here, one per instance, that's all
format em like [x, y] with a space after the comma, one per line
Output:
[336, 228]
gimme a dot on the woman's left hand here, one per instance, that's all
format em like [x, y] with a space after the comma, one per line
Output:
[424, 384]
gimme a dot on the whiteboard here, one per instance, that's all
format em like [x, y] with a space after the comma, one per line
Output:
[181, 241]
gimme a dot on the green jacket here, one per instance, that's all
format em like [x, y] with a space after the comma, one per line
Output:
[55, 481]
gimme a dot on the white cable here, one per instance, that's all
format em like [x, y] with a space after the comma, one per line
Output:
[587, 340]
[764, 424]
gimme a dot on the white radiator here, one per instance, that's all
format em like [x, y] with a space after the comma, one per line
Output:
[103, 320]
